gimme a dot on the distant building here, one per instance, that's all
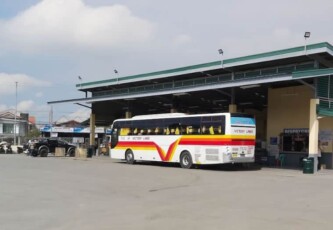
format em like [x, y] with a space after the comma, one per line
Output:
[8, 121]
[72, 130]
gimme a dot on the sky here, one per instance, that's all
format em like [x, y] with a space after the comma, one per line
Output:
[46, 44]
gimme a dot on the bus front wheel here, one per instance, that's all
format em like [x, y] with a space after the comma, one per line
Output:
[186, 160]
[129, 157]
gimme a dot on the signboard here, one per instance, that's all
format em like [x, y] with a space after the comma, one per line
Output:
[57, 129]
[296, 131]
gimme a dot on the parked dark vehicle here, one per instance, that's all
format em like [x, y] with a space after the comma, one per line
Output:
[5, 147]
[9, 148]
[47, 145]
[2, 147]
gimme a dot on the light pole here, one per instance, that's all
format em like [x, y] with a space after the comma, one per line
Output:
[15, 112]
[80, 79]
[116, 72]
[221, 53]
[306, 36]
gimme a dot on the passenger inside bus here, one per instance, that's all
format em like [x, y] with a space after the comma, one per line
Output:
[158, 131]
[142, 132]
[211, 130]
[204, 130]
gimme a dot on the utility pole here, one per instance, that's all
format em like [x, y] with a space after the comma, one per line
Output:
[51, 116]
[15, 112]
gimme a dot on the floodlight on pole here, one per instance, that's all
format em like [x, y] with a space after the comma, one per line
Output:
[80, 79]
[306, 36]
[116, 72]
[221, 53]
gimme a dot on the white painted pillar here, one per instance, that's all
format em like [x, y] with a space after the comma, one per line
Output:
[313, 132]
[128, 114]
[92, 132]
[232, 108]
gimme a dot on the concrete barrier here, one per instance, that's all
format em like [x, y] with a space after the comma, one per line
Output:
[59, 152]
[81, 153]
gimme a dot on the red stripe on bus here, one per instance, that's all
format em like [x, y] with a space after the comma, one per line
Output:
[216, 142]
[163, 156]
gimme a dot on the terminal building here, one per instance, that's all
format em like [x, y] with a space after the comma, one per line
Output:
[290, 92]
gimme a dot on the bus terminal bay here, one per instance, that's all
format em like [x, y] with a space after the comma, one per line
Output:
[289, 94]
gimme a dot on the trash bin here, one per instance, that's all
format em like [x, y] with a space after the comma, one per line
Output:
[90, 152]
[308, 165]
[271, 160]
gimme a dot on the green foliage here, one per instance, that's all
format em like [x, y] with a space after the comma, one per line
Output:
[33, 133]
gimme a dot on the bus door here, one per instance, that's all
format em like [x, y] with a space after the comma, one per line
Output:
[114, 137]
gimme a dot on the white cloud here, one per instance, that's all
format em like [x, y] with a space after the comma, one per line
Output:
[25, 106]
[3, 107]
[182, 39]
[70, 24]
[39, 94]
[79, 115]
[8, 86]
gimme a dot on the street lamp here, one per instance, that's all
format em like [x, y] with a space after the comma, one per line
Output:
[116, 72]
[80, 79]
[306, 36]
[221, 53]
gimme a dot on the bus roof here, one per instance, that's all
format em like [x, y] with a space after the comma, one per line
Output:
[176, 115]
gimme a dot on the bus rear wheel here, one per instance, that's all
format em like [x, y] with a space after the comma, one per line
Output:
[186, 160]
[129, 157]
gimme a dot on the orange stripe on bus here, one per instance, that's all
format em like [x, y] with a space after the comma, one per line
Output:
[189, 140]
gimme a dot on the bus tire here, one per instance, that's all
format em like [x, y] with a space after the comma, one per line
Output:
[129, 157]
[186, 160]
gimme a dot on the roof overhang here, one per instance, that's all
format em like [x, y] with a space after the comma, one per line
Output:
[234, 63]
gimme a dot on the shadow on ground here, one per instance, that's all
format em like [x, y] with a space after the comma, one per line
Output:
[217, 167]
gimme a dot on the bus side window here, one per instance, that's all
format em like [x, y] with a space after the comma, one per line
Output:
[129, 132]
[124, 131]
[156, 131]
[189, 130]
[177, 132]
[204, 130]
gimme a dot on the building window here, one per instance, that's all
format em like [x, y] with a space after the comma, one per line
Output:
[8, 128]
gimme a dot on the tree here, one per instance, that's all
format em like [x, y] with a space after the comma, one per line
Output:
[33, 133]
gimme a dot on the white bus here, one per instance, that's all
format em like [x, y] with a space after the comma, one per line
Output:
[217, 138]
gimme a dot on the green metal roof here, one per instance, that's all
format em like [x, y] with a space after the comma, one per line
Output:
[313, 73]
[274, 55]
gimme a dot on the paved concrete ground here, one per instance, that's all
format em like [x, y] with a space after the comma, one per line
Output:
[100, 193]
